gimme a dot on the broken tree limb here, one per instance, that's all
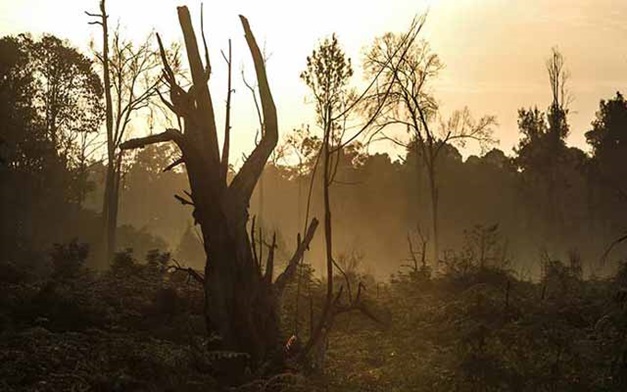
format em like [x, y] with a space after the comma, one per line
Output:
[174, 164]
[227, 123]
[167, 103]
[244, 182]
[282, 280]
[183, 200]
[270, 262]
[363, 309]
[239, 305]
[170, 135]
[167, 70]
[346, 279]
[253, 246]
[204, 42]
[623, 238]
[190, 272]
[205, 130]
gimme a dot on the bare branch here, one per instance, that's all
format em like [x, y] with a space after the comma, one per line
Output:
[256, 102]
[167, 69]
[246, 179]
[364, 309]
[282, 280]
[204, 129]
[346, 279]
[270, 261]
[611, 246]
[183, 200]
[190, 271]
[174, 164]
[414, 30]
[406, 44]
[254, 247]
[170, 135]
[204, 42]
[227, 123]
[166, 102]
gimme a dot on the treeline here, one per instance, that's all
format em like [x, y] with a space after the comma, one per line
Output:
[460, 237]
[546, 197]
[51, 111]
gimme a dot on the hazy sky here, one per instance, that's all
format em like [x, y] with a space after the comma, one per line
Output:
[494, 50]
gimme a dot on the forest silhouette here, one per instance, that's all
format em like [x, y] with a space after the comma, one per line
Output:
[156, 263]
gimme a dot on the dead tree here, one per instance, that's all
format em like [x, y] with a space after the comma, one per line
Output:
[418, 268]
[132, 81]
[241, 298]
[327, 75]
[410, 105]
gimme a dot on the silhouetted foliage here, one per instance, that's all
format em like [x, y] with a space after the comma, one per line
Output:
[607, 168]
[516, 300]
[409, 71]
[49, 105]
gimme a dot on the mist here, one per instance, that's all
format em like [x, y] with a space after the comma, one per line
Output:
[381, 236]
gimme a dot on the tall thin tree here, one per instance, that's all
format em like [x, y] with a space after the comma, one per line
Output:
[411, 105]
[132, 79]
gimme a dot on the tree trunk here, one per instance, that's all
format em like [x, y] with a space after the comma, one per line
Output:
[433, 188]
[113, 201]
[238, 306]
[241, 300]
[107, 252]
[109, 193]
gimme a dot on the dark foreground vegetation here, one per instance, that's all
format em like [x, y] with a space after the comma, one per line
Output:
[475, 326]
[506, 271]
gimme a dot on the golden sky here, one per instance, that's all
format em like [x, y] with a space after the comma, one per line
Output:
[494, 50]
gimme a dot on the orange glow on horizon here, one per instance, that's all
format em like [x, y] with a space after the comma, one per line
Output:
[493, 50]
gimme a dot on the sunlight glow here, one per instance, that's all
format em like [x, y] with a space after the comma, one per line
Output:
[480, 43]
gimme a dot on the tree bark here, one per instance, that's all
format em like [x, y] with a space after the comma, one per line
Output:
[241, 303]
[433, 188]
[108, 232]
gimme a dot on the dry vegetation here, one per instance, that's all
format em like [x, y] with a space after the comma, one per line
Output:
[256, 313]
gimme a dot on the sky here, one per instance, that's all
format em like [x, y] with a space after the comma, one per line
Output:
[494, 51]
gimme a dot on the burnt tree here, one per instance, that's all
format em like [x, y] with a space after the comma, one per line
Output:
[241, 297]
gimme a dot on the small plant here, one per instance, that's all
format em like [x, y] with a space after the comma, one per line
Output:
[68, 259]
[124, 263]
